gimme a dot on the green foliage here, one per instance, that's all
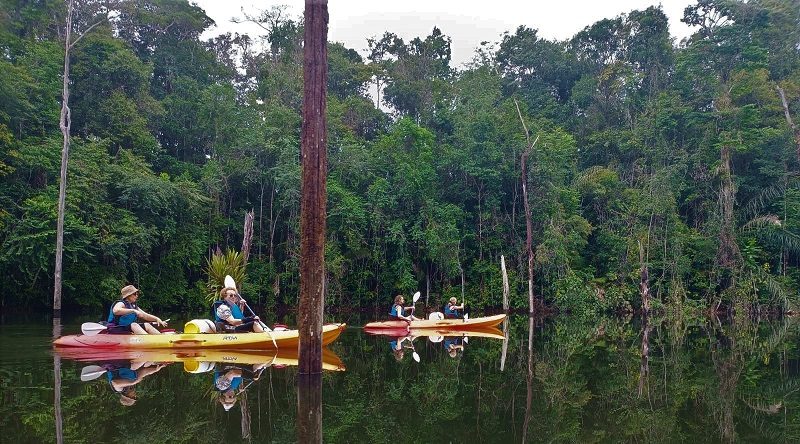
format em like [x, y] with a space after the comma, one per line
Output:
[175, 139]
[231, 263]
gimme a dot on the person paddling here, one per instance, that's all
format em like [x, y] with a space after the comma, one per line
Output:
[124, 314]
[229, 315]
[398, 311]
[453, 311]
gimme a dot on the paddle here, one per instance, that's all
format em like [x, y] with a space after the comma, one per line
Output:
[414, 353]
[91, 372]
[415, 299]
[93, 328]
[229, 282]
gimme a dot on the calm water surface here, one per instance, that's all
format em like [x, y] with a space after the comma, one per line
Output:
[599, 380]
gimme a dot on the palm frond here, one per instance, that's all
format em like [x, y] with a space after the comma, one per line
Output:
[220, 265]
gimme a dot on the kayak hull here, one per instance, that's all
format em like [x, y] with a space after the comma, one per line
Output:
[442, 324]
[281, 358]
[248, 341]
[477, 332]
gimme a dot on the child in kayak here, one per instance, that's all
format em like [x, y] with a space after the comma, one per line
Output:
[124, 315]
[398, 311]
[453, 311]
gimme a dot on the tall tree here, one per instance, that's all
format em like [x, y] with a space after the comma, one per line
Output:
[65, 124]
[314, 193]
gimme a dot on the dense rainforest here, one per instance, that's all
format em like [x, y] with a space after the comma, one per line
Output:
[642, 153]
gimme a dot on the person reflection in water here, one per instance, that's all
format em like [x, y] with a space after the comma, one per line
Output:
[399, 345]
[453, 345]
[125, 375]
[228, 382]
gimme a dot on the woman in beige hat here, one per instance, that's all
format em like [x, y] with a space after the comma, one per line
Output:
[124, 314]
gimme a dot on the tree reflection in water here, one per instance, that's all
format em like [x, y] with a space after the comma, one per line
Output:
[605, 379]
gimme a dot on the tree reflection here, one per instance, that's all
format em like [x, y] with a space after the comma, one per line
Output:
[309, 408]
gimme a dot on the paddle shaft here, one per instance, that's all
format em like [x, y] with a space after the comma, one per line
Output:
[263, 325]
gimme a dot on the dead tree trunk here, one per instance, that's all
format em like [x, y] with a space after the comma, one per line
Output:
[728, 253]
[506, 289]
[644, 282]
[789, 121]
[65, 123]
[314, 193]
[528, 222]
[247, 239]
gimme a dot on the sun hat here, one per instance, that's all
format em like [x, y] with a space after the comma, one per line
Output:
[128, 290]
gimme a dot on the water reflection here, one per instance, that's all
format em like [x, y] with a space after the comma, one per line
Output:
[59, 419]
[309, 408]
[571, 379]
[454, 342]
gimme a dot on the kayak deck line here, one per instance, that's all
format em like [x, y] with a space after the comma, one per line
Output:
[249, 340]
[444, 324]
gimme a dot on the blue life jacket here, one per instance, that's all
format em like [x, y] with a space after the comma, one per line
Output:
[396, 310]
[451, 312]
[125, 320]
[121, 373]
[452, 341]
[235, 382]
[235, 311]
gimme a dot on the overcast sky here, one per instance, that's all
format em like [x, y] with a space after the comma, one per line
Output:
[467, 22]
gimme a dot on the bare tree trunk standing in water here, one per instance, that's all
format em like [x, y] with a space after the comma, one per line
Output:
[313, 147]
[528, 223]
[65, 123]
[314, 167]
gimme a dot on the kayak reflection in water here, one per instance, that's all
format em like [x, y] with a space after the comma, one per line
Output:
[124, 375]
[398, 311]
[228, 381]
[453, 311]
[399, 345]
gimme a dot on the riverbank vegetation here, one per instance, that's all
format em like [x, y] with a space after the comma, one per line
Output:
[678, 158]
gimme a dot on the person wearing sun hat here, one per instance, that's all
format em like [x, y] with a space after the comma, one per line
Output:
[124, 315]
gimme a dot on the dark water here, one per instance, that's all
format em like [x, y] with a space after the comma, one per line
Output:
[584, 381]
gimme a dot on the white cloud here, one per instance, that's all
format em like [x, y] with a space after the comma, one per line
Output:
[467, 22]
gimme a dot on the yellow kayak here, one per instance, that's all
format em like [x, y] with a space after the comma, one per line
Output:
[285, 339]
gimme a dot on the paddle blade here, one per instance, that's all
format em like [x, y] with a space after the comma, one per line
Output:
[91, 372]
[92, 328]
[466, 339]
[415, 355]
[466, 316]
[229, 282]
[416, 297]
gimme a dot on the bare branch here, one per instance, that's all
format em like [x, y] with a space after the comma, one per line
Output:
[71, 45]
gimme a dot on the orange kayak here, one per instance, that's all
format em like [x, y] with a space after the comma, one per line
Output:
[440, 324]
